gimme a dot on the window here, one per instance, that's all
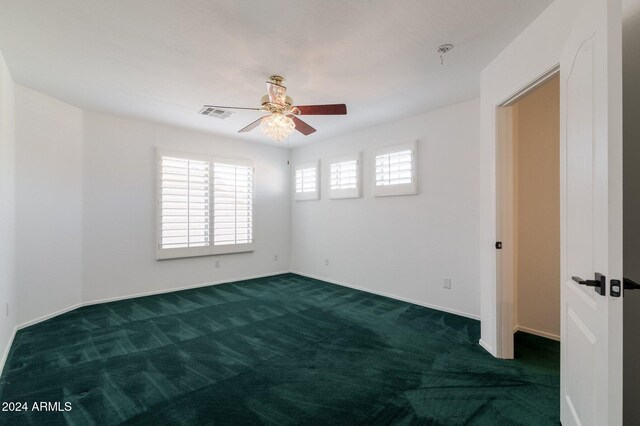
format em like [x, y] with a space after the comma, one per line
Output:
[307, 179]
[344, 177]
[205, 206]
[396, 171]
[232, 204]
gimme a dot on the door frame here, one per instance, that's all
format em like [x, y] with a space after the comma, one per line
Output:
[506, 231]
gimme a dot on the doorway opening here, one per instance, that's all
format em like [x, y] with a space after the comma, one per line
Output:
[528, 214]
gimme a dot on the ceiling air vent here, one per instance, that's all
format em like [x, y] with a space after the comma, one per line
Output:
[215, 112]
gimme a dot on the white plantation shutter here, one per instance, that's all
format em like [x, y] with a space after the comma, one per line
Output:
[183, 206]
[393, 168]
[233, 204]
[306, 180]
[205, 206]
[395, 171]
[344, 177]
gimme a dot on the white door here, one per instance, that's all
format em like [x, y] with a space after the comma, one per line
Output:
[591, 212]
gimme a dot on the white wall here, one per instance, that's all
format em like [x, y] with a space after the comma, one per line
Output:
[49, 204]
[119, 209]
[82, 227]
[8, 282]
[401, 246]
[514, 68]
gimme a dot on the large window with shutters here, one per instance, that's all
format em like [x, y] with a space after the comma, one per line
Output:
[307, 181]
[344, 177]
[396, 170]
[205, 205]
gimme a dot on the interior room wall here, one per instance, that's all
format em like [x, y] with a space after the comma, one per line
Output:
[631, 184]
[538, 211]
[49, 149]
[401, 246]
[82, 226]
[8, 281]
[514, 68]
[120, 201]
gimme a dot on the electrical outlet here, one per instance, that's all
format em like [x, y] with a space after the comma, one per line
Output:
[275, 257]
[217, 263]
[447, 283]
[326, 262]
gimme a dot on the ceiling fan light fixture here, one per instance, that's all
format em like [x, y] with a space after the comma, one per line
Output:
[277, 126]
[283, 113]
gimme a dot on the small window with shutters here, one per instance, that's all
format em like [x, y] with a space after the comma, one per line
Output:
[344, 177]
[396, 170]
[307, 181]
[205, 205]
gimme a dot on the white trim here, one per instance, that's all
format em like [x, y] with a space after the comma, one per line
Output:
[49, 316]
[506, 258]
[212, 249]
[117, 298]
[487, 347]
[5, 355]
[542, 79]
[341, 194]
[397, 189]
[227, 281]
[144, 294]
[179, 155]
[233, 248]
[188, 287]
[391, 296]
[232, 161]
[537, 332]
[506, 226]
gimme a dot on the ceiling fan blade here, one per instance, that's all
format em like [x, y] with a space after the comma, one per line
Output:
[228, 107]
[331, 109]
[251, 126]
[301, 126]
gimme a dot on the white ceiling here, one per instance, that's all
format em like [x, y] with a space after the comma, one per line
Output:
[163, 59]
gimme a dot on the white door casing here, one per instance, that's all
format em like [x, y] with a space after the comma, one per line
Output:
[591, 215]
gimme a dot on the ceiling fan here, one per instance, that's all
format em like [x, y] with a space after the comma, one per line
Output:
[282, 119]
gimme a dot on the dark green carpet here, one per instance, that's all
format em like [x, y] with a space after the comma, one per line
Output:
[277, 350]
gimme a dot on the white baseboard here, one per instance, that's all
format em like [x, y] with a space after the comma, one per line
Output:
[487, 348]
[171, 290]
[537, 332]
[5, 354]
[49, 316]
[391, 296]
[114, 299]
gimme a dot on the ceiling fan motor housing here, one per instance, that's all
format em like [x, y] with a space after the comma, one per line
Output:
[265, 100]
